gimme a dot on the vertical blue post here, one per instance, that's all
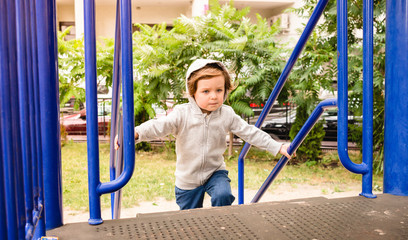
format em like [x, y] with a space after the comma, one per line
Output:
[38, 192]
[49, 111]
[16, 141]
[23, 90]
[6, 131]
[396, 98]
[3, 222]
[92, 113]
[368, 92]
[32, 113]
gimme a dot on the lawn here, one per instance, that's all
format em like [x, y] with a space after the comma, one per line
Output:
[154, 174]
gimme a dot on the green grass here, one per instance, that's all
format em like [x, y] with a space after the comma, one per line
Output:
[154, 174]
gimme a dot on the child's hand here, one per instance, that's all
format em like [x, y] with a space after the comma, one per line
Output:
[116, 142]
[284, 150]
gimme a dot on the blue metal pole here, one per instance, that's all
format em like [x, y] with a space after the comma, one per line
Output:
[32, 113]
[23, 89]
[128, 111]
[314, 18]
[368, 98]
[92, 113]
[3, 222]
[303, 132]
[342, 90]
[38, 186]
[396, 98]
[342, 95]
[6, 130]
[115, 110]
[18, 168]
[36, 103]
[49, 112]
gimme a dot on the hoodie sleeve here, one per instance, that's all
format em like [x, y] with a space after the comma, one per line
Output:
[157, 128]
[254, 135]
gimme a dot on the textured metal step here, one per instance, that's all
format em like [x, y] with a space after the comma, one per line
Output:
[385, 217]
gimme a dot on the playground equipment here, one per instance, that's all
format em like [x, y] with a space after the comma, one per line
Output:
[30, 169]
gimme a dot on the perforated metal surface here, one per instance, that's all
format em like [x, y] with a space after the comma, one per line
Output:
[189, 227]
[318, 218]
[323, 221]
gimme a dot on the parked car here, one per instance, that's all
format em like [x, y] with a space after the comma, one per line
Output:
[279, 127]
[330, 123]
[69, 106]
[75, 124]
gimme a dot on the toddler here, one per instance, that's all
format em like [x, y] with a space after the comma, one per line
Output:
[200, 127]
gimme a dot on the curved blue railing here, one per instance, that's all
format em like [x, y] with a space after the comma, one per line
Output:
[277, 89]
[96, 188]
[311, 121]
[366, 167]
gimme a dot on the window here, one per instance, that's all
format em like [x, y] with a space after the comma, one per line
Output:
[136, 28]
[64, 25]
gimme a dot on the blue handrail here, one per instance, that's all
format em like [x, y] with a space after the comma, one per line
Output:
[96, 188]
[365, 167]
[277, 89]
[128, 111]
[300, 136]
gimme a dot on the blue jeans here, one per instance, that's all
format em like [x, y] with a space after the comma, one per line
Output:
[218, 187]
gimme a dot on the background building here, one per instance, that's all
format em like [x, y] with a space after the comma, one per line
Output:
[71, 13]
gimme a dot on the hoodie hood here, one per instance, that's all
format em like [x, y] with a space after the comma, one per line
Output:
[197, 65]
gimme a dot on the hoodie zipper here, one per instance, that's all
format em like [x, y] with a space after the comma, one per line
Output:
[206, 119]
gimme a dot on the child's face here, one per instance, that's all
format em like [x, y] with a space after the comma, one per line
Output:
[210, 93]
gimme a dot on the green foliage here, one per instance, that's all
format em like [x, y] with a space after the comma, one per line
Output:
[309, 151]
[71, 69]
[71, 66]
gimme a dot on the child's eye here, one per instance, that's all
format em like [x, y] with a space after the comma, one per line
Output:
[205, 91]
[219, 90]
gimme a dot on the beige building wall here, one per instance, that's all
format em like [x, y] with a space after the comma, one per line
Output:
[159, 11]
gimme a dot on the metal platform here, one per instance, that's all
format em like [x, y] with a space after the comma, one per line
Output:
[385, 217]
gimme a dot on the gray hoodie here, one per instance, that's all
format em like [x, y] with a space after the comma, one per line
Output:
[201, 138]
